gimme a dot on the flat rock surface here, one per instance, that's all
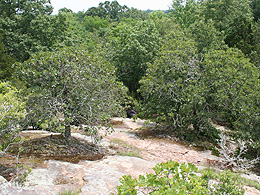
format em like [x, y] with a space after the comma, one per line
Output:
[102, 176]
[93, 177]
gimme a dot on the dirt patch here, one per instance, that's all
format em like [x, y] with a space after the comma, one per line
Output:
[40, 147]
[119, 123]
[161, 133]
[56, 147]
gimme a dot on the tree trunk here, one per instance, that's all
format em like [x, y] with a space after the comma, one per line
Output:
[67, 132]
[65, 111]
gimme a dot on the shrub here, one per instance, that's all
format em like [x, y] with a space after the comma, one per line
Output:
[11, 111]
[173, 178]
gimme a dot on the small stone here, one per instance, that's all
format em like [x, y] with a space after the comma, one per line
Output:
[85, 178]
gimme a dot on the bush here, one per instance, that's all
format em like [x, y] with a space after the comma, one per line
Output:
[173, 178]
[11, 112]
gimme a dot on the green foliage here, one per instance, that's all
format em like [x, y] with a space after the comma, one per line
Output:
[30, 28]
[72, 87]
[76, 34]
[207, 37]
[233, 20]
[133, 48]
[71, 192]
[231, 88]
[224, 182]
[11, 111]
[234, 17]
[6, 63]
[25, 8]
[223, 13]
[65, 10]
[181, 91]
[170, 89]
[185, 12]
[255, 55]
[112, 10]
[173, 178]
[95, 23]
[255, 5]
[162, 22]
[134, 14]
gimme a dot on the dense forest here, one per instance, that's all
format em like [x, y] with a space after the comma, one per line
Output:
[188, 67]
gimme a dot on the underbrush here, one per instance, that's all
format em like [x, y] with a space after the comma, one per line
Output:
[184, 179]
[211, 173]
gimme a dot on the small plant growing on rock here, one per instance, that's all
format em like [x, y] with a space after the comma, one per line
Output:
[223, 182]
[70, 192]
[125, 149]
[21, 174]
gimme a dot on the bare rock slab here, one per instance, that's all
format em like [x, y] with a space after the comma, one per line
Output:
[93, 177]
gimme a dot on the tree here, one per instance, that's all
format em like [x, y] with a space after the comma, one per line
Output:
[162, 22]
[11, 112]
[180, 90]
[185, 12]
[95, 23]
[5, 63]
[207, 37]
[80, 15]
[75, 33]
[169, 87]
[255, 5]
[133, 47]
[72, 87]
[255, 55]
[112, 10]
[115, 12]
[231, 89]
[28, 27]
[234, 18]
[28, 9]
[135, 14]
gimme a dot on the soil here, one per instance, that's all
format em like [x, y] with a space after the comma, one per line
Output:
[40, 146]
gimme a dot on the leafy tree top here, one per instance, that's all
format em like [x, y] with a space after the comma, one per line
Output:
[107, 9]
[10, 8]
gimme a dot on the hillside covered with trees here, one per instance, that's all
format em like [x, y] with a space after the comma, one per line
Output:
[186, 68]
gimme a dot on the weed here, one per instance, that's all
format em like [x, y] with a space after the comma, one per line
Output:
[131, 153]
[70, 192]
[211, 173]
[21, 174]
[125, 149]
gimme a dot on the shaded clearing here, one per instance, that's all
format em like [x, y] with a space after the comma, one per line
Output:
[56, 147]
[36, 149]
